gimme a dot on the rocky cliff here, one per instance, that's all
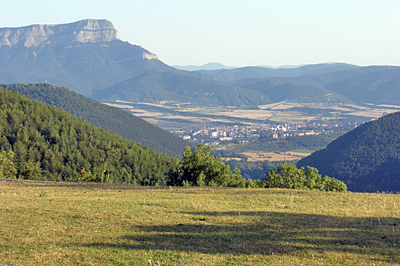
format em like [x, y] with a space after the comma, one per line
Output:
[84, 56]
[88, 30]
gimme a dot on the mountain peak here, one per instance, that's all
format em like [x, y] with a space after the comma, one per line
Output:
[88, 30]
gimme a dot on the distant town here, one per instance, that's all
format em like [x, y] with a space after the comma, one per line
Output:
[247, 133]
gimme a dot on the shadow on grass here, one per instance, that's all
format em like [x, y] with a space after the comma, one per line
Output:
[268, 233]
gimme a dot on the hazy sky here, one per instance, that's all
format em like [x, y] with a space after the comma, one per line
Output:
[236, 33]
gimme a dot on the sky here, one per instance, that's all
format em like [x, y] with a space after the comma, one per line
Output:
[236, 33]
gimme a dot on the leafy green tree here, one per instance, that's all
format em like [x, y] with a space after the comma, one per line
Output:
[200, 168]
[31, 170]
[7, 169]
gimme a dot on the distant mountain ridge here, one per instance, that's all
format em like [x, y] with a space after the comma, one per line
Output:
[89, 58]
[208, 66]
[259, 72]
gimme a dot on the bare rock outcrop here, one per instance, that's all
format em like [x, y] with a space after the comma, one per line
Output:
[88, 30]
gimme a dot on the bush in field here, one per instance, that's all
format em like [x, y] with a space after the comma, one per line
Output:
[202, 169]
[289, 176]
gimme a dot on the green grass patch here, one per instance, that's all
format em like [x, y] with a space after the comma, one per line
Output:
[48, 223]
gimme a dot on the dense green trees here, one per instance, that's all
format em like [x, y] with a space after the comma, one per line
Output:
[289, 176]
[202, 169]
[50, 144]
[107, 117]
[367, 158]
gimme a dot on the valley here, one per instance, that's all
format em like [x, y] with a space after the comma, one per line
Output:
[254, 117]
[172, 115]
[257, 139]
[223, 125]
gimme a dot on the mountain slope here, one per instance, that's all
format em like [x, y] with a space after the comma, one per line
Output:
[375, 84]
[378, 85]
[366, 158]
[87, 56]
[182, 87]
[109, 118]
[82, 55]
[50, 144]
[296, 92]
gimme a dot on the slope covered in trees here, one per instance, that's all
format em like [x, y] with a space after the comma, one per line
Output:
[50, 144]
[107, 117]
[366, 158]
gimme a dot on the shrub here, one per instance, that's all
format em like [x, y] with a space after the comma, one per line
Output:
[289, 176]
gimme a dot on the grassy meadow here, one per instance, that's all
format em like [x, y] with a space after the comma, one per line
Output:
[45, 223]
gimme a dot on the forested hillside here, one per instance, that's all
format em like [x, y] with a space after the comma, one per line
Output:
[109, 118]
[366, 158]
[50, 144]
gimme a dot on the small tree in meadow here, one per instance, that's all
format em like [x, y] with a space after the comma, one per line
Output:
[200, 168]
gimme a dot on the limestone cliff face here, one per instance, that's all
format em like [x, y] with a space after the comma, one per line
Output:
[89, 30]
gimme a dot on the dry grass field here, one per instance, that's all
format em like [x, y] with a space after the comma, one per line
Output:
[45, 223]
[249, 114]
[274, 156]
[171, 118]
